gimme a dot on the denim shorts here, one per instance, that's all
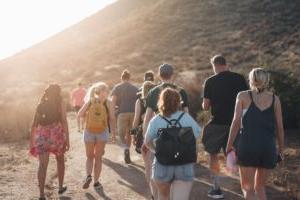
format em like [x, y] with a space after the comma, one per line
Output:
[95, 137]
[169, 173]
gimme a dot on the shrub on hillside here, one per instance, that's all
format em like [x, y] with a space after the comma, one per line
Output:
[286, 85]
[192, 82]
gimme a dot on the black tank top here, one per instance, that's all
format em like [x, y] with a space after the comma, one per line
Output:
[260, 123]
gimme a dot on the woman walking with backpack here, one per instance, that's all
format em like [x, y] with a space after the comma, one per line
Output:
[50, 134]
[170, 168]
[99, 117]
[137, 131]
[257, 154]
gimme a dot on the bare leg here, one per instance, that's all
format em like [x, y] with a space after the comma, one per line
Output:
[127, 136]
[163, 190]
[60, 169]
[148, 159]
[247, 175]
[99, 152]
[215, 169]
[42, 172]
[89, 147]
[260, 182]
[180, 190]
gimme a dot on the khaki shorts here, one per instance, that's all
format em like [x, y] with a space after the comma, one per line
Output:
[215, 137]
[124, 124]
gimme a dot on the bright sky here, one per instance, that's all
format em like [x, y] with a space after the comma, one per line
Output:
[24, 23]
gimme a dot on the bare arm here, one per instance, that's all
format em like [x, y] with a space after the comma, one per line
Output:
[206, 104]
[137, 114]
[65, 124]
[279, 125]
[113, 102]
[236, 123]
[112, 119]
[149, 144]
[148, 116]
[83, 109]
[33, 126]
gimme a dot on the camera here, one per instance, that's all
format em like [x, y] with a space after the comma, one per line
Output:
[134, 131]
[139, 138]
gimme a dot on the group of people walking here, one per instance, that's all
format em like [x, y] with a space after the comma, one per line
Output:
[155, 119]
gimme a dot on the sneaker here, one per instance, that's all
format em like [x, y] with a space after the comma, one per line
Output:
[87, 182]
[62, 190]
[215, 193]
[127, 156]
[97, 185]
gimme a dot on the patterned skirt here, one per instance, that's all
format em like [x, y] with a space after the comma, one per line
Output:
[48, 139]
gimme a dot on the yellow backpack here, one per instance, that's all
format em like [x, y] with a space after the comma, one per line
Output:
[97, 117]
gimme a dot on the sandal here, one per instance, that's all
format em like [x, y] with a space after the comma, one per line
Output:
[87, 182]
[62, 190]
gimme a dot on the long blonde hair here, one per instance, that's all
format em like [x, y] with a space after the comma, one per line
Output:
[94, 91]
[259, 79]
[147, 86]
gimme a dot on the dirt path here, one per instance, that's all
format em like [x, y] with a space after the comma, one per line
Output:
[120, 181]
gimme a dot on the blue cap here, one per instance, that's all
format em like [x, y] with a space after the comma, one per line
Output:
[166, 70]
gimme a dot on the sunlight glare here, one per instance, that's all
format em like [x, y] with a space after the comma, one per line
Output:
[25, 23]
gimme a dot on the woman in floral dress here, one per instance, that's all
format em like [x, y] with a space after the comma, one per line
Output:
[50, 134]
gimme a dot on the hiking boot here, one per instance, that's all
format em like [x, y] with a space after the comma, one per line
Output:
[127, 156]
[215, 193]
[87, 182]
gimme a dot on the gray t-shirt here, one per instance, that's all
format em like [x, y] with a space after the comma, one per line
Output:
[126, 94]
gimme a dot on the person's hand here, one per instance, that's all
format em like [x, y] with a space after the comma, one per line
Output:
[280, 155]
[133, 139]
[31, 142]
[113, 138]
[229, 148]
[67, 145]
[144, 148]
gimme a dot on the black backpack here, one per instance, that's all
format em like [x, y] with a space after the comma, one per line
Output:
[175, 145]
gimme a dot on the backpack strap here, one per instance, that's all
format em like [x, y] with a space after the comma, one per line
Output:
[179, 118]
[106, 107]
[273, 100]
[168, 121]
[177, 121]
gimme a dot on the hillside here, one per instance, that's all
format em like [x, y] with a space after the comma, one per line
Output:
[140, 35]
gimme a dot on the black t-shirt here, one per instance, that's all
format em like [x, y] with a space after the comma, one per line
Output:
[221, 89]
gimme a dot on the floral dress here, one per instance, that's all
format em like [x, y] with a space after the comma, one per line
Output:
[48, 139]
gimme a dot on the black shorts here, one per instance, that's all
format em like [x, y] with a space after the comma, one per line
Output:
[257, 152]
[76, 108]
[215, 137]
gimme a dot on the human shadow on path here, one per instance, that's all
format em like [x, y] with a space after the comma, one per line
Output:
[64, 198]
[131, 176]
[89, 196]
[101, 193]
[230, 186]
